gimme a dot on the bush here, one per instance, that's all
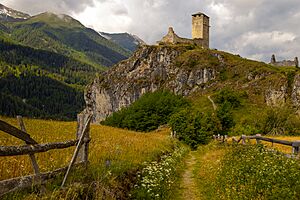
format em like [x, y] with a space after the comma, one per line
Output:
[280, 120]
[229, 96]
[193, 127]
[225, 116]
[253, 172]
[149, 112]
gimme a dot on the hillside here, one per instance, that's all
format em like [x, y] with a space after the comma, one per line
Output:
[8, 14]
[46, 61]
[65, 35]
[125, 40]
[192, 72]
[41, 83]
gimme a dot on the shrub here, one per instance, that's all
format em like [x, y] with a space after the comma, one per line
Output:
[147, 113]
[231, 97]
[280, 120]
[253, 172]
[193, 127]
[225, 116]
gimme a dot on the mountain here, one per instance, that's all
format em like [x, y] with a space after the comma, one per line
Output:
[45, 62]
[64, 35]
[193, 72]
[39, 83]
[125, 40]
[8, 14]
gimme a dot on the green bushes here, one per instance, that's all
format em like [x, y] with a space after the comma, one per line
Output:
[227, 95]
[193, 127]
[149, 112]
[225, 116]
[253, 172]
[280, 120]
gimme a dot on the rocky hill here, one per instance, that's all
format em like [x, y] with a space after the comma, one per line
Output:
[189, 71]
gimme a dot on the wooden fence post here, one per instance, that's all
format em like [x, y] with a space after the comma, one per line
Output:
[32, 156]
[257, 138]
[296, 145]
[84, 132]
[243, 139]
[84, 150]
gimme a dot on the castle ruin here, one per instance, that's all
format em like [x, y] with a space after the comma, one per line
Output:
[292, 63]
[200, 33]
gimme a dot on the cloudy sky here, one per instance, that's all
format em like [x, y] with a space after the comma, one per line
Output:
[252, 28]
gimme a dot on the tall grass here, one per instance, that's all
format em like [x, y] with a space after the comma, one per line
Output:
[254, 172]
[113, 152]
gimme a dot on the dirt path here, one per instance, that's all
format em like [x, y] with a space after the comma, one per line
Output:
[213, 103]
[188, 188]
[199, 173]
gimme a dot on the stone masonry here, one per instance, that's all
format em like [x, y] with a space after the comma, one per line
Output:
[294, 63]
[200, 33]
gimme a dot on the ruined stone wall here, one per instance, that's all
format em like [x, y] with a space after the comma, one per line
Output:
[173, 38]
[294, 63]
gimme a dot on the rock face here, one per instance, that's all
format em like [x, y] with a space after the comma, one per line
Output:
[296, 91]
[149, 69]
[275, 97]
[186, 71]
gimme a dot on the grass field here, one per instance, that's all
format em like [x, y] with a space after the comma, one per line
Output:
[125, 150]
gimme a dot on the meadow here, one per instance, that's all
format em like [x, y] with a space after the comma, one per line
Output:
[113, 152]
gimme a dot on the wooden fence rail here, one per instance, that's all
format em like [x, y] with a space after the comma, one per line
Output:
[37, 148]
[294, 144]
[80, 156]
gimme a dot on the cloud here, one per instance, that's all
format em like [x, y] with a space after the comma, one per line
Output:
[57, 6]
[252, 28]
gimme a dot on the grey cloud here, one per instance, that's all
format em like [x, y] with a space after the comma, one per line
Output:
[57, 6]
[232, 22]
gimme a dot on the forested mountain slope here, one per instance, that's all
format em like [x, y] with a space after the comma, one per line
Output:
[45, 62]
[64, 35]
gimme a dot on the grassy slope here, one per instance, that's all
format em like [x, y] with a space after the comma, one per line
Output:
[65, 35]
[249, 77]
[126, 151]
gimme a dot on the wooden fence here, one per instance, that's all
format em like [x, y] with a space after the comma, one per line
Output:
[295, 145]
[80, 156]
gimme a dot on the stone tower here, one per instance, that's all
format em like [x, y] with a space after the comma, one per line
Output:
[200, 28]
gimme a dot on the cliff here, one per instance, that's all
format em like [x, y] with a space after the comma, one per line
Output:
[190, 71]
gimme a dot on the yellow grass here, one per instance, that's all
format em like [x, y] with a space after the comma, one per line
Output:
[124, 149]
[279, 147]
[209, 160]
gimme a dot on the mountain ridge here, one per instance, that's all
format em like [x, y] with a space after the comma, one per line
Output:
[8, 14]
[128, 41]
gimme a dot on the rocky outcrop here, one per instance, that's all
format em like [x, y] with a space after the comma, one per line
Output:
[296, 91]
[149, 69]
[186, 71]
[275, 97]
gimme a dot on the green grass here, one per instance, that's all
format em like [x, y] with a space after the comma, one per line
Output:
[206, 169]
[254, 172]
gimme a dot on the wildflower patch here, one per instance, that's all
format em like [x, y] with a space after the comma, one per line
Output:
[155, 181]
